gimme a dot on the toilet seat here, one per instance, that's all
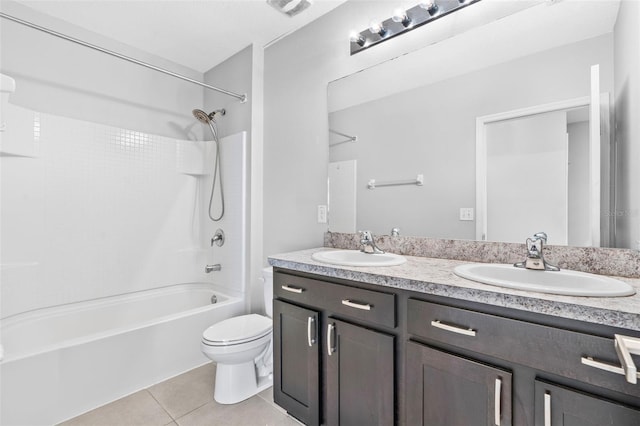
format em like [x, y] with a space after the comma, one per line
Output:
[237, 330]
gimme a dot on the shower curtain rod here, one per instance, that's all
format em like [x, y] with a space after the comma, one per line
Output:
[242, 98]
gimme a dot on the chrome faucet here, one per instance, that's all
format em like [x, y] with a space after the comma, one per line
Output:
[210, 268]
[368, 243]
[535, 258]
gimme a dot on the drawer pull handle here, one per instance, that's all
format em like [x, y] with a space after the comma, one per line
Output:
[363, 306]
[497, 395]
[292, 289]
[547, 409]
[605, 366]
[311, 321]
[330, 349]
[602, 365]
[625, 346]
[453, 328]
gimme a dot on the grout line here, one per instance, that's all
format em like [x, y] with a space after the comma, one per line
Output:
[160, 405]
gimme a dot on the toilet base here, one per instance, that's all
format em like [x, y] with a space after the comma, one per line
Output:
[237, 382]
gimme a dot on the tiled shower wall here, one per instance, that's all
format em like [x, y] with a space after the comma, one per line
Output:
[89, 210]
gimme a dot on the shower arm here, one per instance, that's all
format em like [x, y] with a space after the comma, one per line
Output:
[241, 97]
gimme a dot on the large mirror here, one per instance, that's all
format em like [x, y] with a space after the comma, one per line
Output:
[454, 140]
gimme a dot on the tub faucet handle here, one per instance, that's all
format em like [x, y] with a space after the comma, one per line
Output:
[218, 238]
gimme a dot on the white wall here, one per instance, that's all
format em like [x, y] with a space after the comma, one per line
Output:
[627, 111]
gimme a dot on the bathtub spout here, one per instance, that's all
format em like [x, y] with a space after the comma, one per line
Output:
[210, 268]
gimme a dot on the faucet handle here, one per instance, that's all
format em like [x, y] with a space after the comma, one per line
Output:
[365, 236]
[218, 238]
[534, 246]
[540, 236]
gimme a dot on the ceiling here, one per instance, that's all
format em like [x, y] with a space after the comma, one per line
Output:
[198, 34]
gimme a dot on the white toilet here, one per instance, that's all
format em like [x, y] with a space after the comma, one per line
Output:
[242, 348]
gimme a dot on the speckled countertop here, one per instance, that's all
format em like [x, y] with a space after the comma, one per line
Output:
[435, 276]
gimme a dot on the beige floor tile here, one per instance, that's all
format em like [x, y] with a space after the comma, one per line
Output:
[267, 395]
[252, 412]
[139, 408]
[186, 392]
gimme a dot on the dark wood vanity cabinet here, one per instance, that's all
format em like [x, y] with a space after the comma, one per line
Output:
[347, 354]
[559, 406]
[296, 353]
[453, 388]
[445, 389]
[331, 364]
[359, 375]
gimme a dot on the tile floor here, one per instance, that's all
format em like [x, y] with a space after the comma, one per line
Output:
[185, 400]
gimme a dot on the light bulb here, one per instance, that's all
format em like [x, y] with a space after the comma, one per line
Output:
[355, 37]
[400, 16]
[430, 6]
[376, 28]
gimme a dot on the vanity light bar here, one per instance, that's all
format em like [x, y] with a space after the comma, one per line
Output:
[402, 21]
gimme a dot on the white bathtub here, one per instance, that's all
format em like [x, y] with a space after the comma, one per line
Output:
[63, 361]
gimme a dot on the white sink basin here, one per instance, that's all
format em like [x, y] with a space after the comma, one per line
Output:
[564, 282]
[357, 258]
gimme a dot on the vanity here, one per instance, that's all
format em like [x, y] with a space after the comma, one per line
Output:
[415, 344]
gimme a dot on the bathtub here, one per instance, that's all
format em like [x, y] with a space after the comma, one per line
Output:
[63, 361]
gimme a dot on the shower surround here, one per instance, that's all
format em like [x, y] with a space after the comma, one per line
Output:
[91, 212]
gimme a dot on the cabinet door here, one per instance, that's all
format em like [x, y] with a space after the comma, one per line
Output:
[360, 379]
[557, 406]
[448, 390]
[296, 367]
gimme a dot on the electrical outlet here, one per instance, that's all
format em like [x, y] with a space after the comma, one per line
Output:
[466, 213]
[322, 214]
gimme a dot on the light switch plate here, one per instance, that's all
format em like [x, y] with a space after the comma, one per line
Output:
[466, 213]
[322, 214]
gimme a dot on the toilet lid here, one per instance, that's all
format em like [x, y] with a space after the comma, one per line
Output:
[238, 329]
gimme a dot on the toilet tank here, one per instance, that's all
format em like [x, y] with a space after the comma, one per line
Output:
[267, 278]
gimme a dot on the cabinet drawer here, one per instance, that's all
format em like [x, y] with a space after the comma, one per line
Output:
[367, 305]
[541, 347]
[372, 306]
[305, 291]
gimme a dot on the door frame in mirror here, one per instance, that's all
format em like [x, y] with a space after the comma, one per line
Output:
[481, 161]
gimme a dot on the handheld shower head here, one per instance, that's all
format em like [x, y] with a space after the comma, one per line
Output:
[205, 118]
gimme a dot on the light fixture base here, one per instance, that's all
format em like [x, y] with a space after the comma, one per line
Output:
[415, 17]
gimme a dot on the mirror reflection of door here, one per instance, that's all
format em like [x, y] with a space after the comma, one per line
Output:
[528, 177]
[342, 195]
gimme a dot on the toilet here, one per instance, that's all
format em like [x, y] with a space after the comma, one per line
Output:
[242, 349]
